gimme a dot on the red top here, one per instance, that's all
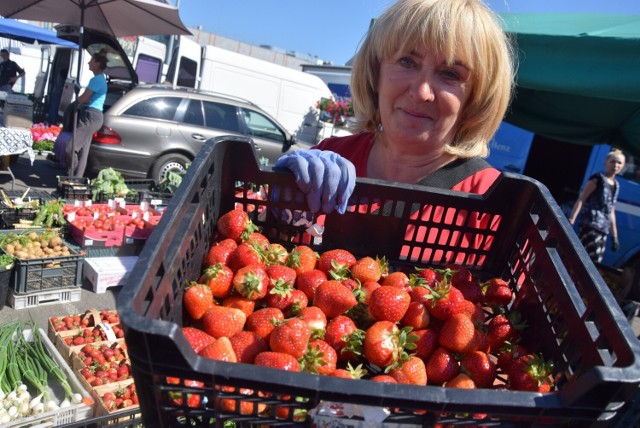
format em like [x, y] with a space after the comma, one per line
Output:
[357, 147]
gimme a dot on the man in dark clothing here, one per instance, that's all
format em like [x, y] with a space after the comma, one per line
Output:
[9, 72]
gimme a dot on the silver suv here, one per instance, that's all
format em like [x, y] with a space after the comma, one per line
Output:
[154, 129]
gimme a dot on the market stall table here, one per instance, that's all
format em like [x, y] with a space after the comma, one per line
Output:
[15, 141]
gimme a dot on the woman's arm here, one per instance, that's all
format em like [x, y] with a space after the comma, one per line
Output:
[85, 97]
[586, 192]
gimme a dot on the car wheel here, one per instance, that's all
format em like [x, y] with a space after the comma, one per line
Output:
[171, 162]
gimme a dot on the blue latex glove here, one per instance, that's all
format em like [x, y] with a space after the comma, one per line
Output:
[325, 177]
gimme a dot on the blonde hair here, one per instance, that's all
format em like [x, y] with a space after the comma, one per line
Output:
[615, 152]
[458, 29]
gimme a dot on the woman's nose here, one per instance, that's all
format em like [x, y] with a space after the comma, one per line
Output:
[424, 87]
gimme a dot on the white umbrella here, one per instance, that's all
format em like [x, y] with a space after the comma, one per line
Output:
[114, 17]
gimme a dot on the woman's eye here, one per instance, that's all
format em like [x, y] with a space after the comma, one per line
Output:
[407, 62]
[451, 74]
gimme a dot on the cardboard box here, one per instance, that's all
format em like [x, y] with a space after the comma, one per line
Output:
[105, 272]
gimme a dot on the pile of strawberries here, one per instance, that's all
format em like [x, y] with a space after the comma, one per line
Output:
[336, 315]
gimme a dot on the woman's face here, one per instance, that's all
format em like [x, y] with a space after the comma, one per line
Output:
[420, 98]
[614, 164]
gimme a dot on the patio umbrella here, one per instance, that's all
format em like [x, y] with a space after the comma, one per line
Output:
[115, 17]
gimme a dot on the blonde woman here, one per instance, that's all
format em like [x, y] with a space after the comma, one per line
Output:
[598, 198]
[431, 84]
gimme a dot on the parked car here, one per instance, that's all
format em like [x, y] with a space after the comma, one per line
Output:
[154, 129]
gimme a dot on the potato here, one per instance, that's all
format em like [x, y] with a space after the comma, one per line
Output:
[10, 249]
[33, 236]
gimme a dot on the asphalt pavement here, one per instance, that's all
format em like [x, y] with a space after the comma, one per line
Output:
[42, 177]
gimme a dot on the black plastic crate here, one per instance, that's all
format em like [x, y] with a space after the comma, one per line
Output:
[48, 273]
[576, 320]
[74, 188]
[9, 219]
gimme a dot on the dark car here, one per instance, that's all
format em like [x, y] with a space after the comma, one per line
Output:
[154, 129]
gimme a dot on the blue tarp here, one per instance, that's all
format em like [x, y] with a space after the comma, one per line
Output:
[12, 29]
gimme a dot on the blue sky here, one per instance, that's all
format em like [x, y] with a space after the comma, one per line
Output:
[333, 29]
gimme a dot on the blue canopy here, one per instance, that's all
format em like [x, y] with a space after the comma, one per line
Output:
[12, 29]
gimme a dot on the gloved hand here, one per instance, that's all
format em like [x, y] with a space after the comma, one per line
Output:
[325, 177]
[615, 244]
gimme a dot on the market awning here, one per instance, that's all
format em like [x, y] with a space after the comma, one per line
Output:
[578, 77]
[17, 30]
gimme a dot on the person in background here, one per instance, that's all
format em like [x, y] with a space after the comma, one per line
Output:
[89, 105]
[10, 72]
[598, 198]
[430, 84]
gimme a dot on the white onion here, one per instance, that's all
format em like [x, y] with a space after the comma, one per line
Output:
[76, 398]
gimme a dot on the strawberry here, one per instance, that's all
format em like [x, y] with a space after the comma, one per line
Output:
[220, 350]
[243, 407]
[363, 294]
[446, 301]
[338, 333]
[384, 344]
[239, 302]
[197, 338]
[302, 259]
[315, 319]
[335, 260]
[479, 367]
[281, 273]
[218, 278]
[508, 353]
[471, 291]
[246, 345]
[459, 334]
[350, 372]
[333, 298]
[286, 298]
[388, 303]
[417, 316]
[245, 254]
[460, 274]
[310, 280]
[193, 400]
[462, 381]
[413, 371]
[277, 360]
[235, 224]
[197, 299]
[441, 366]
[263, 321]
[219, 252]
[502, 328]
[251, 281]
[496, 292]
[290, 337]
[275, 254]
[257, 240]
[429, 276]
[222, 321]
[530, 372]
[426, 342]
[366, 269]
[320, 358]
[383, 378]
[475, 312]
[397, 279]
